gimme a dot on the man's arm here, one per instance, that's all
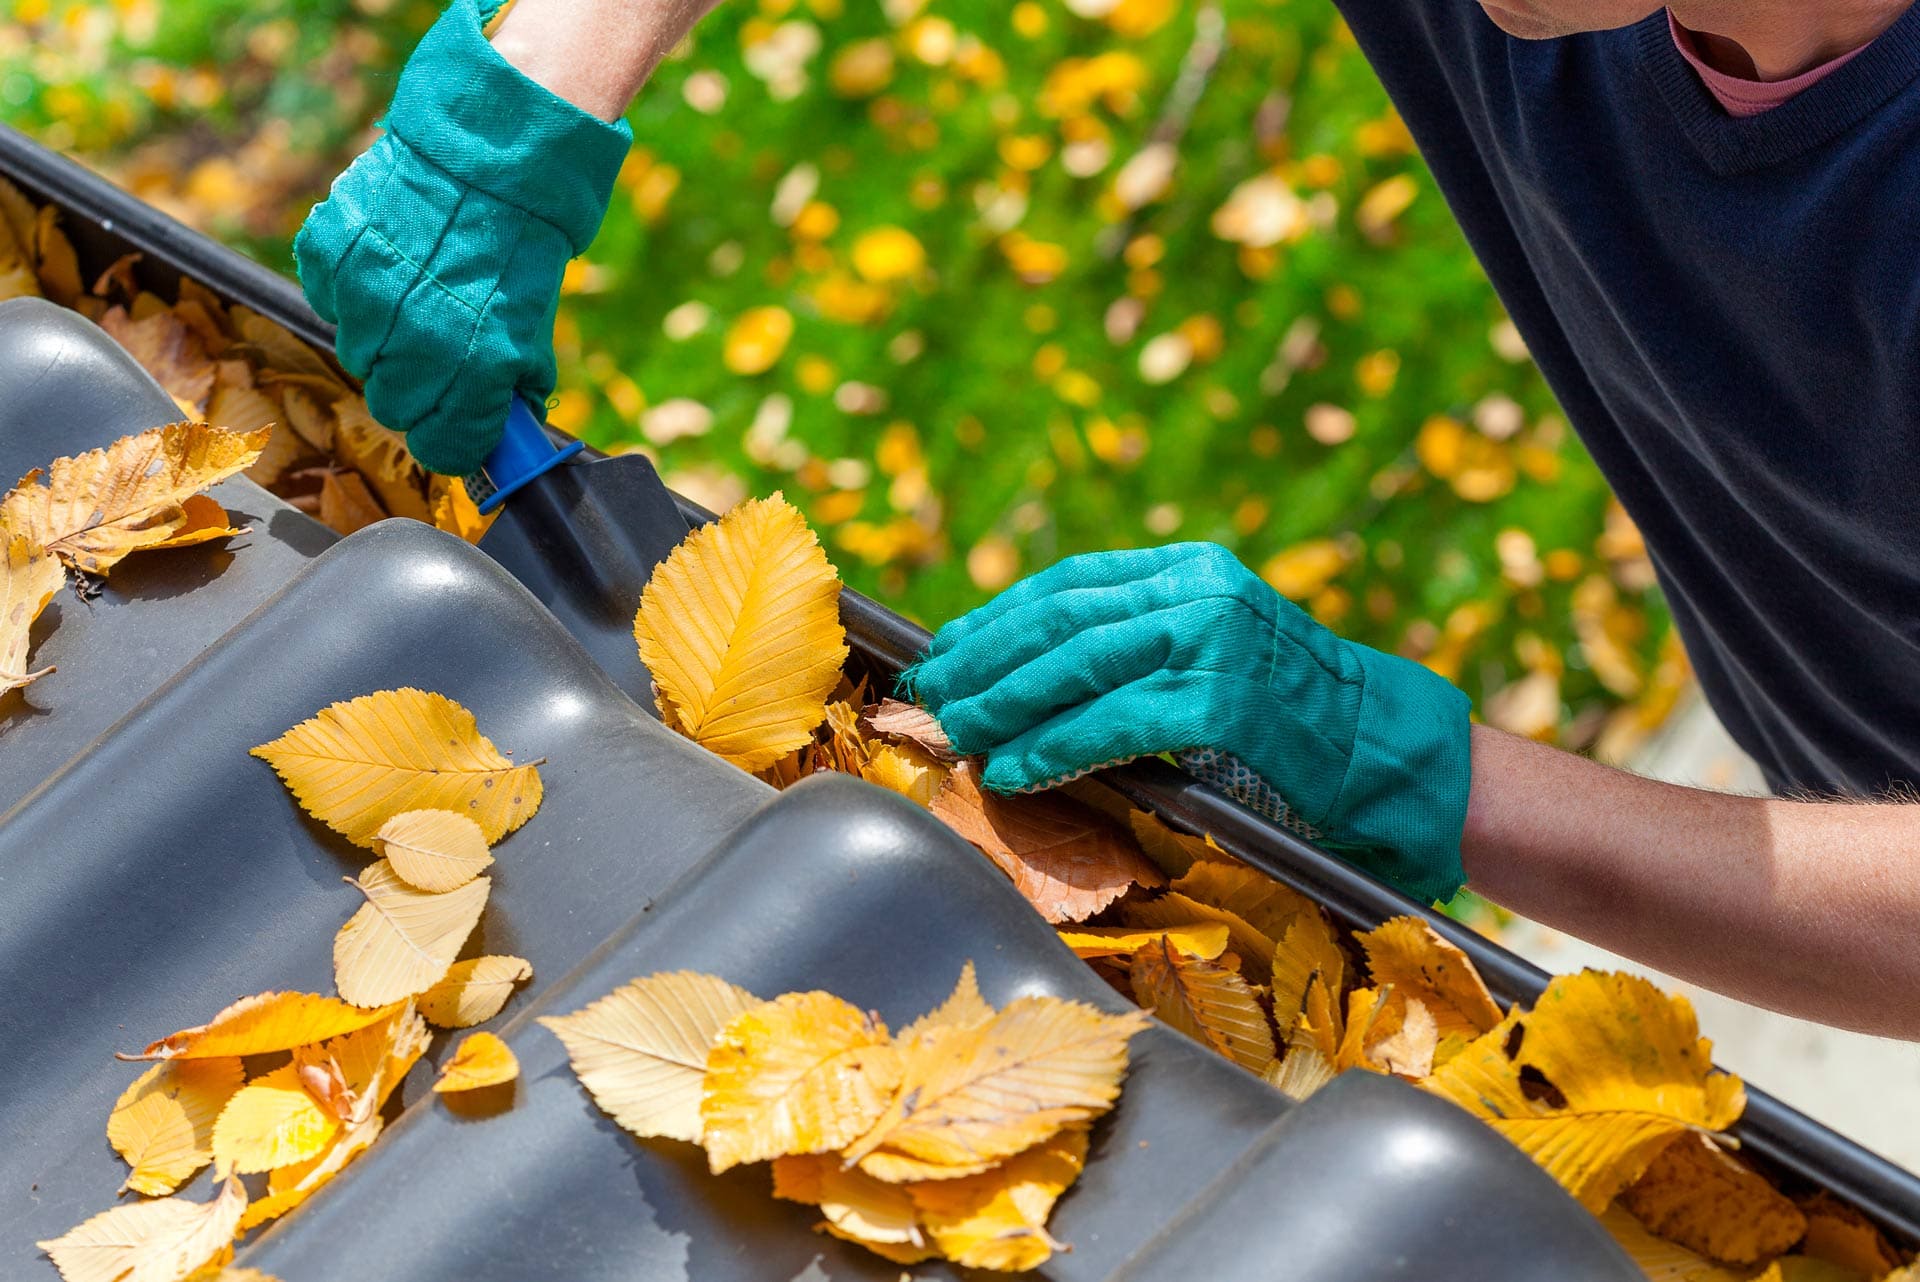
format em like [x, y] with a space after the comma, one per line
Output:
[439, 254]
[595, 53]
[1811, 908]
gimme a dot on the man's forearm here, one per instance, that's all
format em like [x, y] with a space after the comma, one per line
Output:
[1809, 908]
[594, 53]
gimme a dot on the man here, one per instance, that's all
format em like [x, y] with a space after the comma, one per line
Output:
[1703, 223]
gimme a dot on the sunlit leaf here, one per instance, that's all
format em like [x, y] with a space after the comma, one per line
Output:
[359, 763]
[1204, 1000]
[741, 630]
[433, 850]
[804, 1073]
[481, 1060]
[641, 1051]
[402, 940]
[998, 1219]
[1595, 1081]
[263, 1023]
[162, 1124]
[971, 1096]
[164, 1240]
[95, 508]
[28, 579]
[473, 991]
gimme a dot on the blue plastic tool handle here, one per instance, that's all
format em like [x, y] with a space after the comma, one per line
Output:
[524, 453]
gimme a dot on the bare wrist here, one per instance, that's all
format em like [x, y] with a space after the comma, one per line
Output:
[595, 56]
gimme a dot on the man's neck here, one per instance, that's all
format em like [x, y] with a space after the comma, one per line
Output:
[1779, 39]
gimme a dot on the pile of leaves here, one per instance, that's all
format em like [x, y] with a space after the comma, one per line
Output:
[92, 510]
[319, 449]
[1606, 1083]
[293, 1085]
[951, 1138]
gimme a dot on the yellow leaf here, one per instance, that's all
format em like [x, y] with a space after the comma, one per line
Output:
[740, 627]
[641, 1051]
[1206, 1001]
[17, 279]
[804, 1073]
[380, 455]
[1710, 1202]
[266, 1022]
[1408, 954]
[291, 1114]
[1664, 1261]
[757, 339]
[473, 991]
[857, 1207]
[907, 770]
[170, 351]
[273, 1121]
[163, 1123]
[289, 1186]
[433, 850]
[481, 1060]
[164, 1240]
[964, 1008]
[1602, 1074]
[1308, 953]
[971, 1096]
[308, 420]
[1066, 860]
[59, 266]
[347, 506]
[845, 749]
[17, 215]
[202, 521]
[1202, 939]
[402, 940]
[1313, 1044]
[279, 349]
[1839, 1234]
[31, 577]
[359, 763]
[1388, 1032]
[454, 509]
[1254, 897]
[1174, 852]
[1174, 910]
[378, 1065]
[998, 1219]
[97, 507]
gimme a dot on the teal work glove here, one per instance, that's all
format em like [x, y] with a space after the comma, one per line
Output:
[439, 252]
[1118, 655]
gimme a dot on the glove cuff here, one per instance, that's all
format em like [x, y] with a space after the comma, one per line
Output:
[469, 111]
[1402, 812]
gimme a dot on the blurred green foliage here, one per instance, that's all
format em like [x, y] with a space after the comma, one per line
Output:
[1285, 346]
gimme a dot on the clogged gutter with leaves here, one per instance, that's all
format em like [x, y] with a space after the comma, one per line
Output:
[952, 1137]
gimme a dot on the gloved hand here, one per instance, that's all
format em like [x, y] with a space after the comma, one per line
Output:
[439, 252]
[1116, 655]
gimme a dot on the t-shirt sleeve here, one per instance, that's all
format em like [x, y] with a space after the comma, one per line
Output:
[1430, 54]
[1463, 87]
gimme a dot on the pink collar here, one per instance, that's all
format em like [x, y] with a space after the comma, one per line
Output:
[1743, 98]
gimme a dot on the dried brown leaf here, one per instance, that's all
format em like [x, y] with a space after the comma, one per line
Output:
[1068, 862]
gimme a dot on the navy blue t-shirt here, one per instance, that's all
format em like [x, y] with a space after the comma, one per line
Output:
[1729, 311]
